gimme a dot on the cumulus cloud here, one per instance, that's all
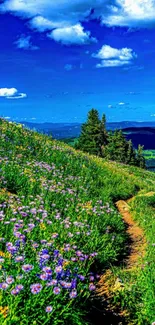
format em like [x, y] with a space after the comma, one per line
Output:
[43, 24]
[112, 57]
[128, 13]
[131, 13]
[11, 93]
[24, 42]
[72, 35]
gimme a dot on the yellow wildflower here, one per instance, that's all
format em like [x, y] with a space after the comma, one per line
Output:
[42, 226]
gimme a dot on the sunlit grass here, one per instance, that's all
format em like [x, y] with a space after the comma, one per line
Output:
[59, 227]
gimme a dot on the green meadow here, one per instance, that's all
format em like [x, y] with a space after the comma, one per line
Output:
[61, 232]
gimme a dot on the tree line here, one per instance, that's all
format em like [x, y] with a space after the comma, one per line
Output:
[96, 140]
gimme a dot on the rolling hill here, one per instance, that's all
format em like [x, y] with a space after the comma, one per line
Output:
[62, 235]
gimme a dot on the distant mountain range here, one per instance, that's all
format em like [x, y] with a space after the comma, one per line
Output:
[139, 132]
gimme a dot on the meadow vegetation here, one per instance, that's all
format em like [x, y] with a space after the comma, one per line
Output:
[60, 231]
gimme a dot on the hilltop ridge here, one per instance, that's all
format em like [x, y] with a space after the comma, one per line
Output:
[60, 231]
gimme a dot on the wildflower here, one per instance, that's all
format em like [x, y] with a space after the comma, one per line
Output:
[73, 294]
[92, 287]
[4, 286]
[49, 309]
[27, 267]
[45, 257]
[55, 235]
[9, 280]
[19, 287]
[47, 270]
[81, 277]
[42, 226]
[2, 260]
[44, 276]
[58, 269]
[19, 259]
[36, 288]
[14, 292]
[56, 290]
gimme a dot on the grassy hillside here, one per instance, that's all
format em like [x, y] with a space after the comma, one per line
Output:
[60, 231]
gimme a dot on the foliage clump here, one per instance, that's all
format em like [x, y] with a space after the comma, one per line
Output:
[95, 140]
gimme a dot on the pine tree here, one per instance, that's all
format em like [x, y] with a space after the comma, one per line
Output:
[89, 140]
[117, 147]
[131, 154]
[103, 135]
[140, 157]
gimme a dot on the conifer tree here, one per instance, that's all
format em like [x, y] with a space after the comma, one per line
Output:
[89, 140]
[140, 157]
[131, 154]
[103, 135]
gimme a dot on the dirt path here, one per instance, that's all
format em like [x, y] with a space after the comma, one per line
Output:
[109, 283]
[137, 239]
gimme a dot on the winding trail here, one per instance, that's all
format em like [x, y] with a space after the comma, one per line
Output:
[109, 283]
[137, 246]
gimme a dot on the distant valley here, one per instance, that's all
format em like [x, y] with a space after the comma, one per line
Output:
[139, 132]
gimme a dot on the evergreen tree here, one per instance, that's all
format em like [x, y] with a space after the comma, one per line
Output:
[131, 154]
[117, 147]
[140, 157]
[103, 135]
[89, 140]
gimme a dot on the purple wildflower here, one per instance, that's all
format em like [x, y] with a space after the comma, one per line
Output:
[73, 294]
[49, 309]
[27, 267]
[9, 279]
[56, 290]
[4, 286]
[92, 287]
[36, 288]
[44, 276]
[19, 259]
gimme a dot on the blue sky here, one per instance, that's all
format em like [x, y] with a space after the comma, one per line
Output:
[61, 58]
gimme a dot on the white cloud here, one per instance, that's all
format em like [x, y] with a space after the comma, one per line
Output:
[24, 42]
[130, 13]
[121, 104]
[72, 35]
[11, 93]
[43, 24]
[108, 52]
[19, 96]
[112, 57]
[68, 67]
